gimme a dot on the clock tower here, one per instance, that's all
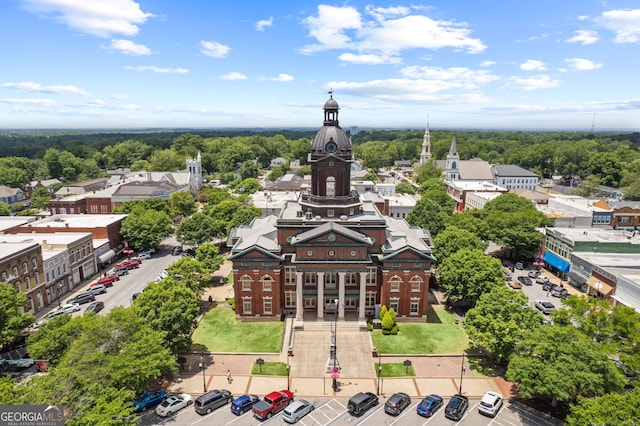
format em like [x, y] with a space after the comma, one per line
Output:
[330, 159]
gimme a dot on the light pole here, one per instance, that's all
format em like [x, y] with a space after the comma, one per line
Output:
[334, 373]
[379, 371]
[59, 291]
[461, 374]
[204, 379]
[288, 369]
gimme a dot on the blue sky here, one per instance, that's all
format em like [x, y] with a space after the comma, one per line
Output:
[568, 64]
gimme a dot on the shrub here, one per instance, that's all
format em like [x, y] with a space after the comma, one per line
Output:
[383, 311]
[395, 329]
[387, 322]
[386, 332]
[369, 326]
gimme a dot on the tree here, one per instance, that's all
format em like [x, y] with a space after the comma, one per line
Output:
[55, 336]
[612, 409]
[446, 203]
[192, 273]
[454, 239]
[170, 309]
[155, 203]
[209, 255]
[40, 197]
[558, 362]
[468, 274]
[500, 320]
[427, 214]
[405, 188]
[12, 322]
[182, 203]
[146, 228]
[249, 186]
[427, 171]
[196, 229]
[5, 210]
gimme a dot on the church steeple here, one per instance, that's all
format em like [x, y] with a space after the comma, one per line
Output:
[425, 155]
[453, 161]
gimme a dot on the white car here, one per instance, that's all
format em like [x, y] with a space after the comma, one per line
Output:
[173, 403]
[70, 308]
[490, 404]
[544, 306]
[144, 255]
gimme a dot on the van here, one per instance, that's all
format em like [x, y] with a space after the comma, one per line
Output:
[97, 289]
[519, 266]
[208, 402]
[81, 298]
[361, 402]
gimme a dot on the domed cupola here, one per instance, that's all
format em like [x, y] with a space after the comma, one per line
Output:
[330, 159]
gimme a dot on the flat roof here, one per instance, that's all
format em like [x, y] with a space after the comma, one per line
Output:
[7, 222]
[596, 234]
[78, 220]
[55, 238]
[10, 248]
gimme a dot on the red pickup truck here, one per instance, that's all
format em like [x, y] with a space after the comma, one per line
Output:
[272, 404]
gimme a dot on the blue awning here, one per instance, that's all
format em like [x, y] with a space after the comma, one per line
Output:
[556, 261]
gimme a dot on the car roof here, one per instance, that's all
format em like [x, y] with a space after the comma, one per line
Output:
[491, 397]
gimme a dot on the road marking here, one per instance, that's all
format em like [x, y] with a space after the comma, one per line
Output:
[413, 408]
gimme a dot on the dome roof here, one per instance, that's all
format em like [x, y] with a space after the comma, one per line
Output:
[331, 104]
[327, 134]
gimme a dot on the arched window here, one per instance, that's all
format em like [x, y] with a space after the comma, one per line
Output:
[246, 282]
[267, 283]
[331, 186]
[395, 283]
[416, 283]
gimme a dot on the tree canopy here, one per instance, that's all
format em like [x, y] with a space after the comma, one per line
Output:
[427, 214]
[146, 228]
[468, 274]
[12, 321]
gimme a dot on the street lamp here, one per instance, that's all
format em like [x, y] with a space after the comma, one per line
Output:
[379, 371]
[204, 379]
[461, 373]
[334, 372]
[59, 291]
[288, 369]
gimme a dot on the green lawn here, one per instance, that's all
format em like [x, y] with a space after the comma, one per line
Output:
[220, 332]
[270, 369]
[394, 369]
[440, 335]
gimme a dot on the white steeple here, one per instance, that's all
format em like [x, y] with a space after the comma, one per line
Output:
[425, 155]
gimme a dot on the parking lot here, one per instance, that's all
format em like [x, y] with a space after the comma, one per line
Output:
[334, 412]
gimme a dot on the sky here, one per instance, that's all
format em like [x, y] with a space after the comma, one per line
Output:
[463, 64]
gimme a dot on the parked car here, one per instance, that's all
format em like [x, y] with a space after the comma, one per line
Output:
[525, 280]
[243, 403]
[271, 404]
[173, 403]
[361, 402]
[134, 296]
[514, 284]
[113, 275]
[396, 403]
[97, 288]
[120, 269]
[519, 265]
[456, 407]
[490, 404]
[95, 307]
[190, 252]
[54, 314]
[429, 405]
[544, 306]
[69, 308]
[542, 279]
[106, 281]
[84, 297]
[176, 250]
[148, 400]
[211, 400]
[559, 291]
[532, 274]
[297, 410]
[144, 255]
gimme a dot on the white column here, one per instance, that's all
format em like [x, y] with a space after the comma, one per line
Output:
[341, 277]
[320, 301]
[299, 305]
[363, 291]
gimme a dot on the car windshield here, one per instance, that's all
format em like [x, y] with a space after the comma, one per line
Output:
[547, 304]
[486, 404]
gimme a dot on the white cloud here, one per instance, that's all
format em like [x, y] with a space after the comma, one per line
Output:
[262, 24]
[541, 81]
[29, 86]
[283, 78]
[406, 90]
[452, 77]
[580, 64]
[38, 102]
[584, 37]
[119, 96]
[369, 59]
[487, 63]
[533, 65]
[97, 17]
[128, 47]
[625, 23]
[214, 49]
[234, 75]
[390, 30]
[159, 70]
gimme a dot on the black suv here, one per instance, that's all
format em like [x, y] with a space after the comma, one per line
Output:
[456, 407]
[398, 402]
[211, 400]
[81, 298]
[361, 402]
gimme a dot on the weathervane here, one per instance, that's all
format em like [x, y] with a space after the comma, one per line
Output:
[331, 93]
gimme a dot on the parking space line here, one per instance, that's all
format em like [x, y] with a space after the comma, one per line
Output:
[412, 408]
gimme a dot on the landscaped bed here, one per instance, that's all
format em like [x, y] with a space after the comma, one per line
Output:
[442, 336]
[218, 331]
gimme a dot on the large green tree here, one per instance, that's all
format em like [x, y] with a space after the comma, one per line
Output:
[209, 255]
[191, 273]
[196, 229]
[454, 239]
[171, 309]
[560, 363]
[468, 274]
[146, 228]
[12, 321]
[500, 320]
[427, 214]
[611, 409]
[182, 203]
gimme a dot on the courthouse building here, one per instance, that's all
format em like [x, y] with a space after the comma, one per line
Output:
[330, 245]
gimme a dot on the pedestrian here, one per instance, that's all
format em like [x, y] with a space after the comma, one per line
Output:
[229, 379]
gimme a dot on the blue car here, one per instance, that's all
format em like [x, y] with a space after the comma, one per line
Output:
[243, 403]
[149, 400]
[429, 405]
